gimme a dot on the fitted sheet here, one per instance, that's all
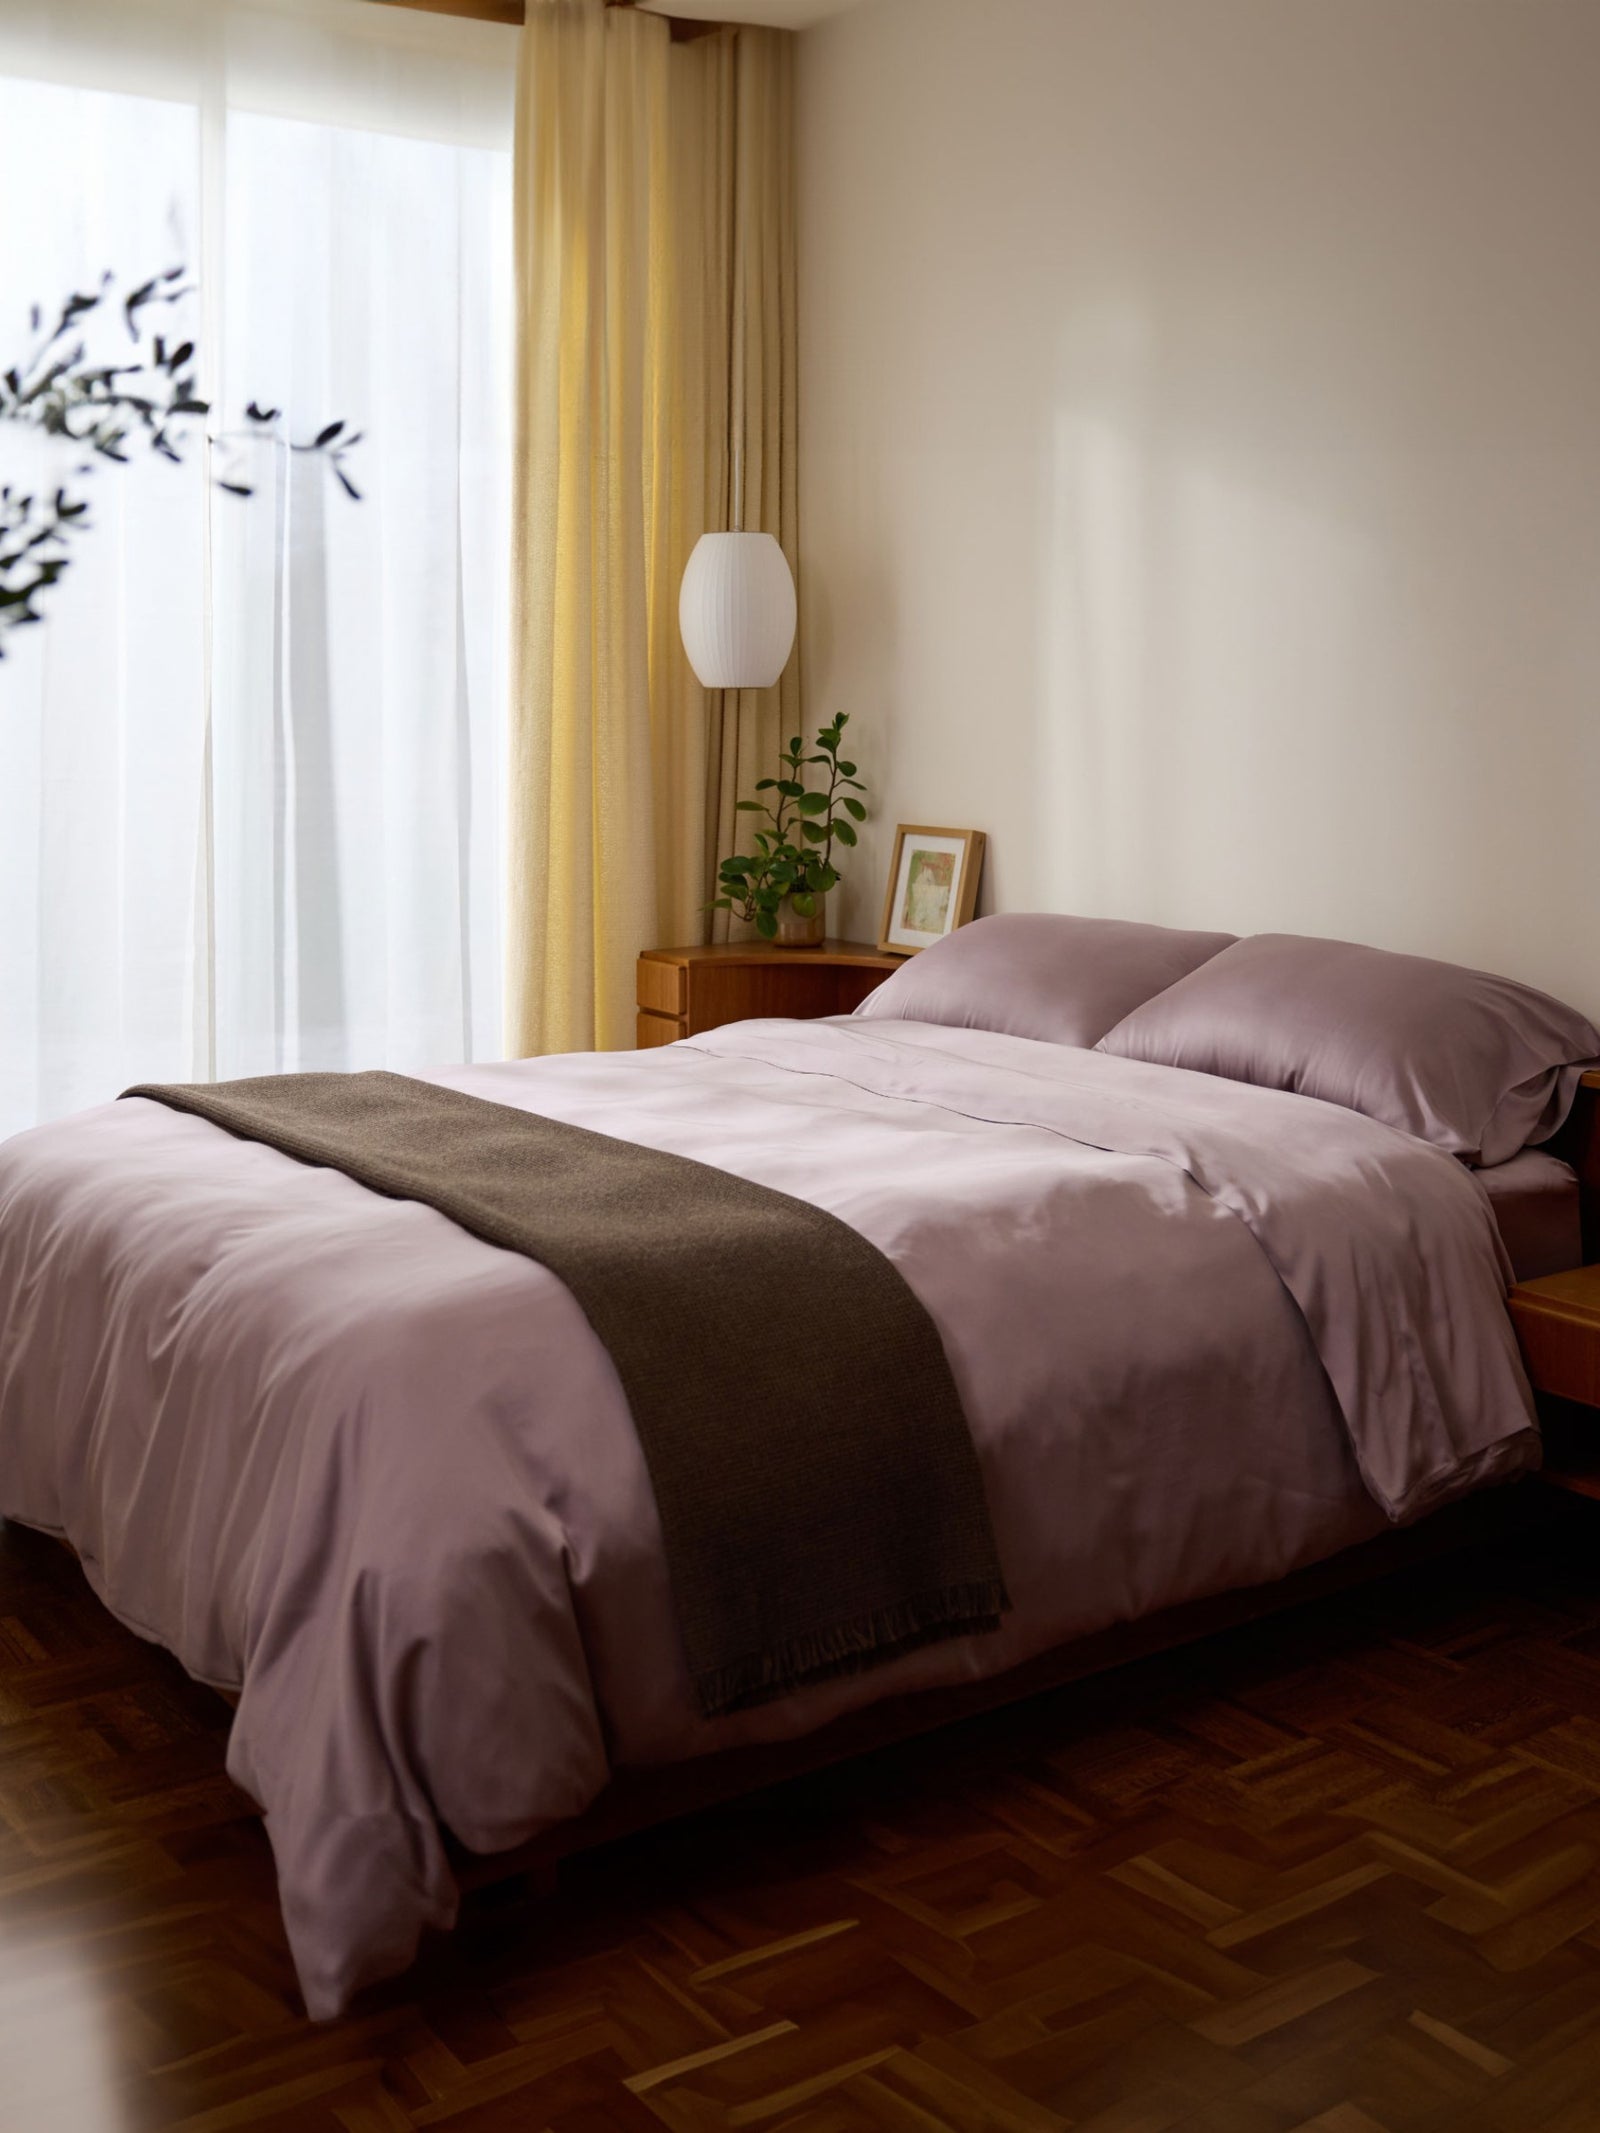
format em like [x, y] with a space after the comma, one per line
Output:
[378, 1476]
[1535, 1201]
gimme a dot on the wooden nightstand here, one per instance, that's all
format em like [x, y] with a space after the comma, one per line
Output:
[683, 991]
[1558, 1319]
[1558, 1325]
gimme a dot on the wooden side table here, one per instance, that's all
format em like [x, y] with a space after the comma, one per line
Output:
[1558, 1319]
[1558, 1325]
[683, 991]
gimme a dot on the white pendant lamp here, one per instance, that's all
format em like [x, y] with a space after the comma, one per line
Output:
[737, 610]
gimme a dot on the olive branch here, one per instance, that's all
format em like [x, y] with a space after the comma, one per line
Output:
[108, 410]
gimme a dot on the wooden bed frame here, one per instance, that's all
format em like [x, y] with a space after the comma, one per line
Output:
[641, 1799]
[637, 1800]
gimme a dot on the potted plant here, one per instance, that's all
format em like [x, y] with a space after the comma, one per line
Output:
[781, 886]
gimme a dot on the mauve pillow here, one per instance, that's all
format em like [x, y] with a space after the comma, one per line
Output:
[1036, 974]
[1472, 1063]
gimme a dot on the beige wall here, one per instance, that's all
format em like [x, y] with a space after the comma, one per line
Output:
[1200, 456]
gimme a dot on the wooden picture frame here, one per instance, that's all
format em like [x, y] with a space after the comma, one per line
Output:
[933, 876]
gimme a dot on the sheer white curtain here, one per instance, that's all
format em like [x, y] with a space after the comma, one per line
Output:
[250, 766]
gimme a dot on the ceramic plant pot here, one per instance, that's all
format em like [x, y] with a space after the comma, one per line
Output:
[795, 930]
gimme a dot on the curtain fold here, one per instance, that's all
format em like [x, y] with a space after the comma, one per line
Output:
[748, 726]
[655, 265]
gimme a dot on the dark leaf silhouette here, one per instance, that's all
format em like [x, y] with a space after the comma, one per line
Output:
[104, 408]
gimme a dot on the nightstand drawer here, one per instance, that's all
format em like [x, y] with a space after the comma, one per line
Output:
[1558, 1325]
[663, 987]
[652, 1030]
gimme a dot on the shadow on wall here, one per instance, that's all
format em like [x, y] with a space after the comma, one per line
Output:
[857, 609]
[1304, 671]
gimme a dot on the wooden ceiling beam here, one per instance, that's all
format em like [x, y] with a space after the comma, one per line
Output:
[515, 13]
[509, 11]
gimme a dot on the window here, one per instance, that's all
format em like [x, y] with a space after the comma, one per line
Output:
[250, 765]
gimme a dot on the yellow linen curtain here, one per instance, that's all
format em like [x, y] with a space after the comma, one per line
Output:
[656, 365]
[758, 455]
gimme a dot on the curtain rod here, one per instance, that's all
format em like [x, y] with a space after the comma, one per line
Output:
[515, 12]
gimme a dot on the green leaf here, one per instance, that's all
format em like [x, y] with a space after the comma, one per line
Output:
[813, 803]
[854, 807]
[765, 784]
[721, 903]
[796, 745]
[805, 904]
[767, 925]
[749, 807]
[815, 832]
[789, 789]
[844, 833]
[847, 770]
[824, 877]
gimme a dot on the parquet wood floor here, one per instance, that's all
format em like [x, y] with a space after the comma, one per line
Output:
[1338, 1872]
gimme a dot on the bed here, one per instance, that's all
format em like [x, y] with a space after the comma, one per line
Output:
[377, 1478]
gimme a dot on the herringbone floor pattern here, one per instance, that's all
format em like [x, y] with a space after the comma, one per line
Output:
[1340, 1871]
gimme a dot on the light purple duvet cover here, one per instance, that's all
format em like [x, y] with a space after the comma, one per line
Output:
[379, 1477]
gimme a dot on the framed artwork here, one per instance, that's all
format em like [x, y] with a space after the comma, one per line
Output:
[933, 886]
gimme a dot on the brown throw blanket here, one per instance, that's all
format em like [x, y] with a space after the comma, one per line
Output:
[819, 1496]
